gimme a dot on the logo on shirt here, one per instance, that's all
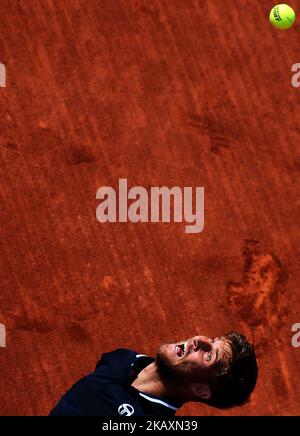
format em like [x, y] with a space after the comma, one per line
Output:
[125, 410]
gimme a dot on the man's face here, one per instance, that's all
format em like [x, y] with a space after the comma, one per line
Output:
[196, 358]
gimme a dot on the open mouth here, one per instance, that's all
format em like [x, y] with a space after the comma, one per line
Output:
[181, 349]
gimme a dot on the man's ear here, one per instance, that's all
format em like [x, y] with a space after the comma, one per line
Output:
[201, 391]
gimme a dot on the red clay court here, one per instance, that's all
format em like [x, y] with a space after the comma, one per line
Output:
[163, 93]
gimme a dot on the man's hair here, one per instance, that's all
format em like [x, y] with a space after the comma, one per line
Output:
[235, 382]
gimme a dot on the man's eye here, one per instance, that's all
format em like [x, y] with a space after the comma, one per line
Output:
[209, 356]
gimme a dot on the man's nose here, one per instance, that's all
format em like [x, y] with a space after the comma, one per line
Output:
[202, 343]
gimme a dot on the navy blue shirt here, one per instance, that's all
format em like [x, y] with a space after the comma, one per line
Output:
[108, 392]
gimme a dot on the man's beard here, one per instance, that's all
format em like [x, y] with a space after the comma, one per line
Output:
[163, 365]
[168, 369]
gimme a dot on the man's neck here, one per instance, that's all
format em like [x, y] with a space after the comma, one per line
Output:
[150, 381]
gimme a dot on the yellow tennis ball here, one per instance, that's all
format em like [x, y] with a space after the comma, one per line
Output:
[282, 16]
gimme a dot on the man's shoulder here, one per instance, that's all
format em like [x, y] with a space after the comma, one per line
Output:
[118, 362]
[119, 354]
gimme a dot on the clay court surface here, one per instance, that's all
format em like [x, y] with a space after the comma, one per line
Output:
[163, 93]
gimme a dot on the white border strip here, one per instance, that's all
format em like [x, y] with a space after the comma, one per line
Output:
[153, 400]
[2, 336]
[2, 76]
